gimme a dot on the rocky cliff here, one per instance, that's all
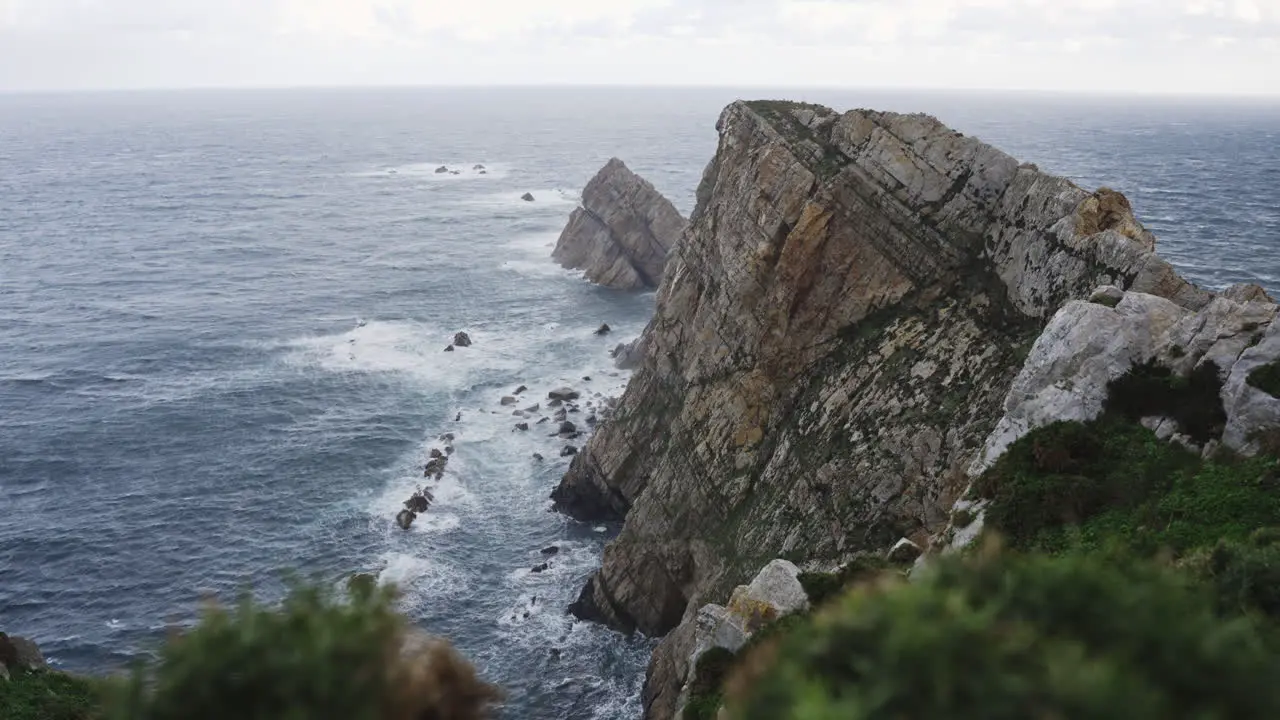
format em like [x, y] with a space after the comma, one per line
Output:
[621, 234]
[834, 340]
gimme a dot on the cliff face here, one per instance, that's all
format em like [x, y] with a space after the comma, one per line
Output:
[622, 232]
[833, 341]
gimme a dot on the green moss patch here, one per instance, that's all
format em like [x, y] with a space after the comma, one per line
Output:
[1194, 401]
[821, 587]
[1266, 378]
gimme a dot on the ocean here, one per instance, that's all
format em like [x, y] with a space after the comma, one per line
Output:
[223, 316]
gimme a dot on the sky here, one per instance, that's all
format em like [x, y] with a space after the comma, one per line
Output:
[1109, 46]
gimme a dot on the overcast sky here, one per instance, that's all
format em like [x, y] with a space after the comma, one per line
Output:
[1191, 46]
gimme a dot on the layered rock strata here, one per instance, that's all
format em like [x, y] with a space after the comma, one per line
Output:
[622, 233]
[834, 339]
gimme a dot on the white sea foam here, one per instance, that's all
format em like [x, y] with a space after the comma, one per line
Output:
[427, 171]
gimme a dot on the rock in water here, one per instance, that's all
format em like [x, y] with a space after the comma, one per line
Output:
[449, 349]
[527, 197]
[551, 550]
[568, 450]
[405, 518]
[508, 400]
[849, 307]
[442, 169]
[604, 329]
[462, 340]
[622, 233]
[563, 394]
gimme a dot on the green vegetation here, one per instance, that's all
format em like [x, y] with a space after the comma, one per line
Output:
[1266, 378]
[1106, 300]
[1194, 401]
[1008, 635]
[708, 677]
[317, 656]
[821, 587]
[1140, 580]
[48, 695]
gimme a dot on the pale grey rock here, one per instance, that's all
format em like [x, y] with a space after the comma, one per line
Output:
[623, 231]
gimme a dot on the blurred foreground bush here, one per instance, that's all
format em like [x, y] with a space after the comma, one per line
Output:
[1002, 635]
[316, 657]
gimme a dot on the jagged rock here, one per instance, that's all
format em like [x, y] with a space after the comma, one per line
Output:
[904, 552]
[563, 394]
[442, 169]
[622, 233]
[447, 438]
[627, 356]
[508, 400]
[519, 390]
[555, 403]
[603, 329]
[458, 417]
[544, 420]
[419, 502]
[775, 592]
[540, 568]
[1087, 345]
[568, 450]
[20, 654]
[591, 420]
[537, 457]
[527, 197]
[523, 427]
[405, 518]
[462, 340]
[567, 428]
[1247, 292]
[561, 414]
[551, 550]
[848, 308]
[448, 449]
[435, 454]
[449, 349]
[533, 408]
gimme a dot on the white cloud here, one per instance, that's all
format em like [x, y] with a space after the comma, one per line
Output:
[1132, 44]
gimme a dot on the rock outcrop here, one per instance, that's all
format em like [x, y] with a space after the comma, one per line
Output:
[834, 339]
[622, 232]
[1089, 344]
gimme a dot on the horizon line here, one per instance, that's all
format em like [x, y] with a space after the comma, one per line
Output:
[1145, 94]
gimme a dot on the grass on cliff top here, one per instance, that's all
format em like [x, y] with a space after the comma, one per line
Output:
[49, 695]
[1112, 482]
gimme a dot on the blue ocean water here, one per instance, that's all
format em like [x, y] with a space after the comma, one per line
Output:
[222, 316]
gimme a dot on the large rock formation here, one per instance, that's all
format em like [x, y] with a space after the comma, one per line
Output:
[622, 232]
[833, 342]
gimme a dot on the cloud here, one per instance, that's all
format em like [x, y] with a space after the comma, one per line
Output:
[1121, 44]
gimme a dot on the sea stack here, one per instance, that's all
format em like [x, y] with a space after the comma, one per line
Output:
[622, 233]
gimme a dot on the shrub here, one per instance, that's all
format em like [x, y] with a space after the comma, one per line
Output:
[704, 691]
[316, 657]
[822, 586]
[1112, 482]
[47, 695]
[1011, 636]
[1194, 401]
[1266, 378]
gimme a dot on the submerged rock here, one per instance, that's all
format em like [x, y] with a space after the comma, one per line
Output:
[603, 329]
[405, 518]
[623, 231]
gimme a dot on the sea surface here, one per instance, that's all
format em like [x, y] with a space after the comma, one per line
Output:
[222, 317]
